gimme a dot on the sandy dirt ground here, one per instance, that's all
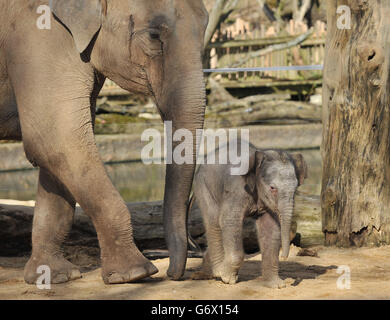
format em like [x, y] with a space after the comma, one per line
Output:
[308, 278]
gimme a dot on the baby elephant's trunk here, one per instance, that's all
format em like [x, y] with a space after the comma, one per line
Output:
[285, 222]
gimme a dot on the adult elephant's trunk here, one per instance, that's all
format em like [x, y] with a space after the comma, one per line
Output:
[184, 104]
[285, 222]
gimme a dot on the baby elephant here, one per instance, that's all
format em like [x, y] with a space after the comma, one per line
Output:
[265, 193]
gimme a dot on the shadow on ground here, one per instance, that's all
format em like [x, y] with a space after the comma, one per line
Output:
[297, 271]
[251, 270]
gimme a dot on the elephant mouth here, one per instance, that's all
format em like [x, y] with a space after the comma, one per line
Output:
[274, 213]
[137, 83]
[277, 215]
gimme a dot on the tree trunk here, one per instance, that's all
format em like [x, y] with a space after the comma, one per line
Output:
[300, 12]
[220, 12]
[356, 121]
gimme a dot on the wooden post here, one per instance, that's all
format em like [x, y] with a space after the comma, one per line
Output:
[356, 119]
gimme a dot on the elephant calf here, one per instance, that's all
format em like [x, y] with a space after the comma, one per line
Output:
[265, 193]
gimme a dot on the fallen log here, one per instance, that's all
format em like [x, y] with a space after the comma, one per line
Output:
[16, 223]
[276, 47]
[238, 115]
[220, 100]
[147, 219]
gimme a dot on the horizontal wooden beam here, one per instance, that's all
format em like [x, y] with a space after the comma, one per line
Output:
[263, 42]
[236, 84]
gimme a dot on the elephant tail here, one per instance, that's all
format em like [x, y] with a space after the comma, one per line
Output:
[192, 245]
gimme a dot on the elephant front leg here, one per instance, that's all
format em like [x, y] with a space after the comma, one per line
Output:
[270, 240]
[231, 225]
[63, 144]
[178, 183]
[84, 176]
[53, 218]
[213, 258]
[177, 189]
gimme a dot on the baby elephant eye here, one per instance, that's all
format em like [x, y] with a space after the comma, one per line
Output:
[154, 34]
[273, 189]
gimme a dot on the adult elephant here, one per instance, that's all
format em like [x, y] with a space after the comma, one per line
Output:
[49, 81]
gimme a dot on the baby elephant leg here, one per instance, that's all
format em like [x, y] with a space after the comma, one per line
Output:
[206, 271]
[213, 257]
[231, 225]
[269, 237]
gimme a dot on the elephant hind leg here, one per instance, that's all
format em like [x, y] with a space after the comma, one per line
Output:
[206, 272]
[53, 218]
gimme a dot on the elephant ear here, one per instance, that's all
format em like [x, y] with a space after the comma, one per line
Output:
[300, 167]
[83, 18]
[256, 159]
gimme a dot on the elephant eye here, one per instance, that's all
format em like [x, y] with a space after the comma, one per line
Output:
[273, 189]
[154, 34]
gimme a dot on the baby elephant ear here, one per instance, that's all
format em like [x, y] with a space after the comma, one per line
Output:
[300, 167]
[82, 17]
[255, 160]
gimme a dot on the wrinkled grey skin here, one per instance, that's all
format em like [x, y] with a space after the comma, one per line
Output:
[265, 193]
[49, 81]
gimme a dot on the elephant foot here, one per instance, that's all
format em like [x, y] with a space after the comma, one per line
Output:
[226, 274]
[229, 277]
[61, 270]
[174, 273]
[274, 283]
[177, 262]
[125, 268]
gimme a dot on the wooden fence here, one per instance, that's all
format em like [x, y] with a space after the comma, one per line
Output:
[237, 40]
